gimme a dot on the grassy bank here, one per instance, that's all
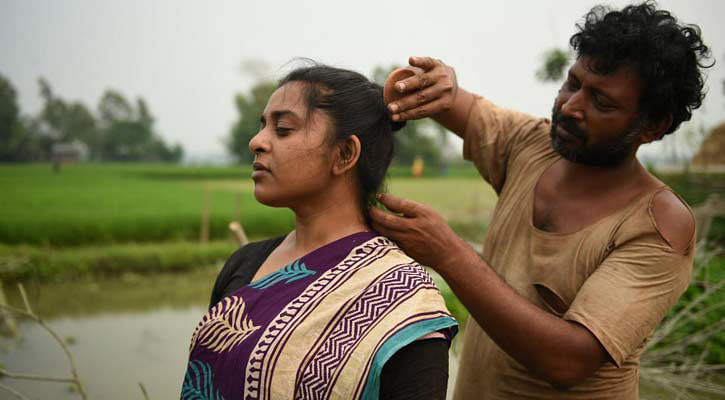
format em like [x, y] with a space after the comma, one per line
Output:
[26, 262]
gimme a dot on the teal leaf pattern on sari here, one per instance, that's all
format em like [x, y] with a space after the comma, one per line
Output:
[292, 272]
[198, 383]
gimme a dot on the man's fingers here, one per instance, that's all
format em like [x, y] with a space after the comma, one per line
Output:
[426, 63]
[388, 221]
[417, 81]
[416, 99]
[406, 207]
[425, 110]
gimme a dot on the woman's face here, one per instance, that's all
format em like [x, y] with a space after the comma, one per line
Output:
[292, 154]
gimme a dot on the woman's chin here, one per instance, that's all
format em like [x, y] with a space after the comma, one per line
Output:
[268, 199]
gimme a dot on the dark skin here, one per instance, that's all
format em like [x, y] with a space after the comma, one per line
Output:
[568, 197]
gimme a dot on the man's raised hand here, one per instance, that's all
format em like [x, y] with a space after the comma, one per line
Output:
[428, 93]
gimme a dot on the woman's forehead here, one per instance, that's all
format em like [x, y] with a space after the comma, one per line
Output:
[288, 97]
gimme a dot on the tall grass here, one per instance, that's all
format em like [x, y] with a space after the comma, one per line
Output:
[685, 357]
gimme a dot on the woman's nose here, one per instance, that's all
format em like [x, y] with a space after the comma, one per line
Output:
[258, 144]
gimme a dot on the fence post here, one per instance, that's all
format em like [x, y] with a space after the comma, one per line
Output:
[204, 232]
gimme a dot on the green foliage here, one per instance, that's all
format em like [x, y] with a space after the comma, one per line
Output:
[554, 65]
[250, 107]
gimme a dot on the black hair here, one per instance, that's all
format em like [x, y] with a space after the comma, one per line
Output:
[355, 107]
[669, 56]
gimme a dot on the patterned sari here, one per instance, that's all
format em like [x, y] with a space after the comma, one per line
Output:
[320, 328]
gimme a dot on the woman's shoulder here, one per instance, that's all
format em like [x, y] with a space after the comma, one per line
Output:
[241, 266]
[254, 249]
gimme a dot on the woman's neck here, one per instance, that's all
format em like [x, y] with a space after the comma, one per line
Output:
[325, 221]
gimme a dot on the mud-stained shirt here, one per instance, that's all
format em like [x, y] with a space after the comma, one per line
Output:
[617, 277]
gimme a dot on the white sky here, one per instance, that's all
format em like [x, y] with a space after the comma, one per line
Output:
[185, 58]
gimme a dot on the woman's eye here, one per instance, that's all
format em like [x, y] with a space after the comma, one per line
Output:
[282, 131]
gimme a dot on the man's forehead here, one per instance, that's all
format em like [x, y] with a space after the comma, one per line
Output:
[602, 68]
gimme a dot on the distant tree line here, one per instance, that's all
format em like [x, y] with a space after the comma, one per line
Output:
[119, 130]
[420, 138]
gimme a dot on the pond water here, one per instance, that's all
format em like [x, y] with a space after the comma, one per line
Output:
[123, 331]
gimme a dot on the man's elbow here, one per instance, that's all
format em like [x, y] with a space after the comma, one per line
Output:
[567, 376]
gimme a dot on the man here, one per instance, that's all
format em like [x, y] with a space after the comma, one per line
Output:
[586, 251]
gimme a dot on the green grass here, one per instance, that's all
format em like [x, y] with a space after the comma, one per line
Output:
[119, 203]
[89, 203]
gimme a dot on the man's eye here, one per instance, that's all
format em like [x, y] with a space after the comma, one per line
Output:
[571, 85]
[282, 131]
[601, 103]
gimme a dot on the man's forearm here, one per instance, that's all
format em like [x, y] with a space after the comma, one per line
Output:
[561, 352]
[456, 117]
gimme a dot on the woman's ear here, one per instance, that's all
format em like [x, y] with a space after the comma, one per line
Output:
[348, 152]
[654, 130]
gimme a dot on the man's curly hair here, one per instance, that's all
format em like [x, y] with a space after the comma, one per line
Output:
[669, 56]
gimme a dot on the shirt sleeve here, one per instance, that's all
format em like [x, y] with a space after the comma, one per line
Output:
[622, 302]
[416, 371]
[494, 136]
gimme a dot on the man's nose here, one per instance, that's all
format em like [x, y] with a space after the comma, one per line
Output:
[573, 106]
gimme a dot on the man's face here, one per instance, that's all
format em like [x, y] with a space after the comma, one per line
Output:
[595, 118]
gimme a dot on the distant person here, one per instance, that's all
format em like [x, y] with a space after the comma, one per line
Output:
[586, 250]
[332, 309]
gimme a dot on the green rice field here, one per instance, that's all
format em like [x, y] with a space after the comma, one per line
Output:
[93, 204]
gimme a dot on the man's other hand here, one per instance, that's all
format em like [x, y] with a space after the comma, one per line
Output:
[420, 231]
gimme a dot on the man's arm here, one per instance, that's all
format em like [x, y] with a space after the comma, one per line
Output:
[433, 93]
[560, 352]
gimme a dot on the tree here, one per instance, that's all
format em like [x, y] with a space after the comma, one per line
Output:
[128, 132]
[17, 143]
[250, 106]
[554, 65]
[64, 122]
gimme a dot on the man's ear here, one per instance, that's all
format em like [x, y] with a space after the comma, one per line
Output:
[654, 130]
[348, 152]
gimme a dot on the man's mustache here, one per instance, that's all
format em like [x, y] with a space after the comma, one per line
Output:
[569, 125]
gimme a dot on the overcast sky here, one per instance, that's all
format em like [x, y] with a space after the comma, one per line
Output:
[186, 58]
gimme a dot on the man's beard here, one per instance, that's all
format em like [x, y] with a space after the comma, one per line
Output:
[606, 154]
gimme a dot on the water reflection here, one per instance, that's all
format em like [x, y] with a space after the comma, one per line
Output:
[124, 331]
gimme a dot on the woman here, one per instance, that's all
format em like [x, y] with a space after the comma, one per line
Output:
[349, 315]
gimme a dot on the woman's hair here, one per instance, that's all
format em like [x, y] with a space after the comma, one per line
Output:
[355, 106]
[669, 56]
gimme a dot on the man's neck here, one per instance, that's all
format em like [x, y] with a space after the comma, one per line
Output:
[597, 179]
